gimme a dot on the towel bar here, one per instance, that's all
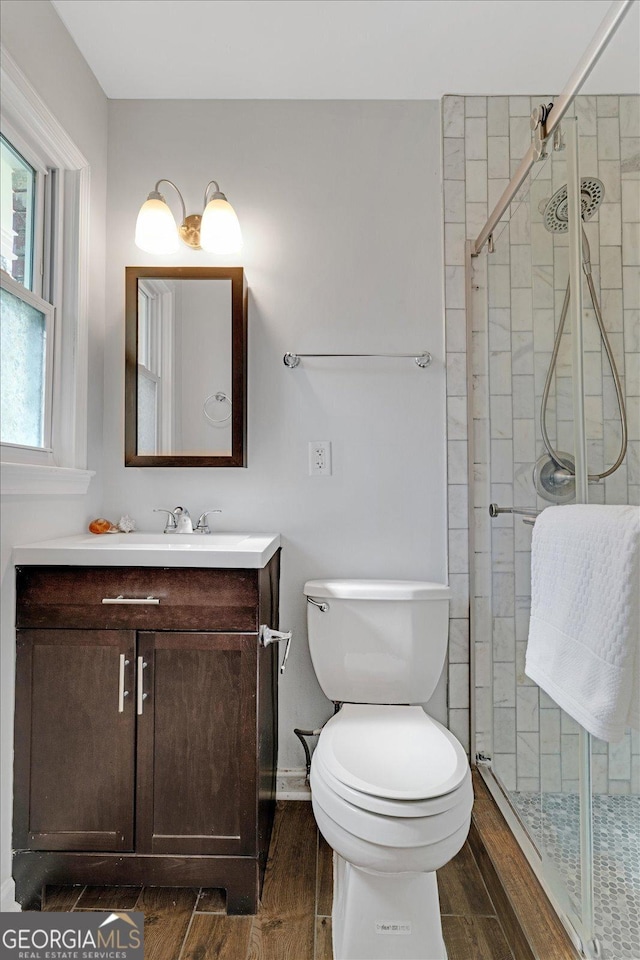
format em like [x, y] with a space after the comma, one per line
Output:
[423, 360]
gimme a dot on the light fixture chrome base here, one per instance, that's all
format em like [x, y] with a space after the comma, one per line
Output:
[552, 482]
[189, 230]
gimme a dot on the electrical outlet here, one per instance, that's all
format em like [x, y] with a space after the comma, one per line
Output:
[320, 458]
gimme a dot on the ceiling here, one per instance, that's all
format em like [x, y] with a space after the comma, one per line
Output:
[345, 49]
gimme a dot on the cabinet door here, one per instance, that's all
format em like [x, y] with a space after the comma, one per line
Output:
[196, 786]
[75, 740]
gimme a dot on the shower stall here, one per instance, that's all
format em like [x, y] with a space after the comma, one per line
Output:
[551, 304]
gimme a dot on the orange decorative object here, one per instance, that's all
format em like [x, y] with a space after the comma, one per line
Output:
[101, 526]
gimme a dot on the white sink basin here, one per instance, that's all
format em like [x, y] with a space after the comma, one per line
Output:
[152, 550]
[169, 541]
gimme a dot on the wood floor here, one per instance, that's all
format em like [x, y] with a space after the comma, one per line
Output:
[294, 922]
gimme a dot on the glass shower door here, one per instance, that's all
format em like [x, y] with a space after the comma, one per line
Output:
[538, 753]
[608, 152]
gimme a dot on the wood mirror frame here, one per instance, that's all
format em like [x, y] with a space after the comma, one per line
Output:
[237, 458]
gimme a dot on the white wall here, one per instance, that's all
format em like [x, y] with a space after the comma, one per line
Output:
[340, 208]
[44, 51]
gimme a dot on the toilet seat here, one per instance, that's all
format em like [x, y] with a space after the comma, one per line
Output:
[391, 752]
[392, 808]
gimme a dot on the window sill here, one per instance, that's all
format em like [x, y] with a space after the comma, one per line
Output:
[36, 480]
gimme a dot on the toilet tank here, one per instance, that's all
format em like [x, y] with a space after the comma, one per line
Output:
[377, 641]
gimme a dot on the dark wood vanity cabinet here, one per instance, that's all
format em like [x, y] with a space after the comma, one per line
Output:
[146, 733]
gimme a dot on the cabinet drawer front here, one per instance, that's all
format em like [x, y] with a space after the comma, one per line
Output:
[146, 598]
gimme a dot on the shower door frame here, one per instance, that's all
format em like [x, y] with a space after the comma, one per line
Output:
[580, 925]
[580, 928]
[601, 39]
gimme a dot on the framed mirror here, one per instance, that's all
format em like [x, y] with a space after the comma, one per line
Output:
[185, 367]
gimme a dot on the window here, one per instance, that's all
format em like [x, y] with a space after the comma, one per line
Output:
[26, 336]
[18, 210]
[26, 319]
[44, 207]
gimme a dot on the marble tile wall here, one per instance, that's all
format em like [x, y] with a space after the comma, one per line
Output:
[517, 295]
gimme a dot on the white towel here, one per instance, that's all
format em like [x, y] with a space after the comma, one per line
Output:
[584, 638]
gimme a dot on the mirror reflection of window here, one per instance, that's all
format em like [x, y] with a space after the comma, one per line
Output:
[156, 321]
[148, 378]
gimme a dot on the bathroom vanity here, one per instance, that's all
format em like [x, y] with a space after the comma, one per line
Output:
[146, 713]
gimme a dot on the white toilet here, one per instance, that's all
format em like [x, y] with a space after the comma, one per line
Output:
[391, 788]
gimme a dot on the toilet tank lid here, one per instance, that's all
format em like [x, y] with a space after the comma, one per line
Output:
[377, 589]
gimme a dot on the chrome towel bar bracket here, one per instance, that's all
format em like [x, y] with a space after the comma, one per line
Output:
[528, 514]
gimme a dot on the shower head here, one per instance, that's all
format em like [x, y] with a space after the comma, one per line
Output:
[556, 213]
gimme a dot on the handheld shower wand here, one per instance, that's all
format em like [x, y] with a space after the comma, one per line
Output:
[554, 475]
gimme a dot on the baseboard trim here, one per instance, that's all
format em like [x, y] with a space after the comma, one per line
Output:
[291, 784]
[8, 897]
[531, 925]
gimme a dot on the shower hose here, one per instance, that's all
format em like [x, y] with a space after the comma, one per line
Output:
[555, 456]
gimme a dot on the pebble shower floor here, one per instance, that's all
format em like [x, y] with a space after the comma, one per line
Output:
[616, 842]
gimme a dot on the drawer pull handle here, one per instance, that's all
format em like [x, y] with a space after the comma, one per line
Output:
[142, 696]
[121, 599]
[269, 636]
[122, 693]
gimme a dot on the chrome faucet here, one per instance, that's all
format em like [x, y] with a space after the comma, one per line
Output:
[179, 520]
[202, 526]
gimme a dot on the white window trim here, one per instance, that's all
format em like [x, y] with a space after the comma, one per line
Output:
[29, 119]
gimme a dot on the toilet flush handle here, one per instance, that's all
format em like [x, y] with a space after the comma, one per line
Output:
[268, 636]
[321, 606]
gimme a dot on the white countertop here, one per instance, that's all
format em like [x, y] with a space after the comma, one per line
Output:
[231, 550]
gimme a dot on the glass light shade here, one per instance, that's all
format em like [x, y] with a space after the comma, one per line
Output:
[220, 229]
[156, 230]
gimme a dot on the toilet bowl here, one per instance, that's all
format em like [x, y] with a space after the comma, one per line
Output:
[386, 806]
[391, 787]
[386, 850]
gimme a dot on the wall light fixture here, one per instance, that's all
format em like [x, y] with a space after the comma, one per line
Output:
[216, 231]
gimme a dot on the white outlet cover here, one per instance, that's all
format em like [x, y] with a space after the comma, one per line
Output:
[320, 458]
